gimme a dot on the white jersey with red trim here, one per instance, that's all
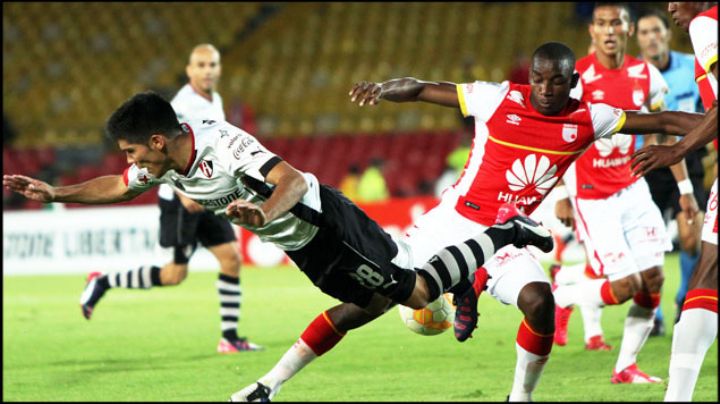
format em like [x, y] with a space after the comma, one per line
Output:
[222, 155]
[519, 154]
[605, 168]
[704, 37]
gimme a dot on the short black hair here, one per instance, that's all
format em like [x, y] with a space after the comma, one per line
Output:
[624, 6]
[556, 51]
[140, 117]
[656, 13]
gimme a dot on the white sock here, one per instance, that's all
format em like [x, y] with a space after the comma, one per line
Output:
[570, 274]
[591, 321]
[692, 336]
[583, 293]
[638, 324]
[294, 359]
[528, 370]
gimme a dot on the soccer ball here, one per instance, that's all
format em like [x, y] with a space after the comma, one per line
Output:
[434, 319]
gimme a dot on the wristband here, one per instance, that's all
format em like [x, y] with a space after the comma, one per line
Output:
[561, 192]
[685, 186]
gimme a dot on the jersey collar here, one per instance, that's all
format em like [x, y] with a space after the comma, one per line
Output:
[193, 155]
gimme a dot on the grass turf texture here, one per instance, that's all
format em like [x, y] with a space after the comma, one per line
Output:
[159, 345]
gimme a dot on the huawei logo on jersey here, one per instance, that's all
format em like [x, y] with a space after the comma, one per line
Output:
[605, 146]
[206, 166]
[531, 172]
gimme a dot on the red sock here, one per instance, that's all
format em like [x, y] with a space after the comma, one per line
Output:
[606, 294]
[321, 335]
[701, 299]
[532, 341]
[647, 300]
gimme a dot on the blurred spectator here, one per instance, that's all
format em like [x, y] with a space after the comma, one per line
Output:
[242, 115]
[372, 186]
[520, 69]
[454, 164]
[349, 184]
[9, 133]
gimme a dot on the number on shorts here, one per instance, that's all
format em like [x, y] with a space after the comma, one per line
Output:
[367, 277]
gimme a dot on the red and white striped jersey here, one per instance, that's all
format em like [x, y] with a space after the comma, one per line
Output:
[604, 168]
[518, 154]
[704, 37]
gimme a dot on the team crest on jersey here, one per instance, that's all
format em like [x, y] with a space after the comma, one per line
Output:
[569, 132]
[513, 119]
[532, 172]
[605, 146]
[206, 166]
[516, 96]
[638, 97]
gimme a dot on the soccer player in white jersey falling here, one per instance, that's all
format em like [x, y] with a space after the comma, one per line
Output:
[698, 326]
[339, 248]
[622, 229]
[525, 138]
[184, 223]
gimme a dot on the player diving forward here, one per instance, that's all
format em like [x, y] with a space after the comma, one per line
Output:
[525, 138]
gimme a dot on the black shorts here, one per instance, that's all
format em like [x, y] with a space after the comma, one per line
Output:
[350, 256]
[180, 228]
[664, 190]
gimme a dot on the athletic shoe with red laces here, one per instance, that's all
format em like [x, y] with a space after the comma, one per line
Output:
[91, 295]
[241, 344]
[529, 232]
[466, 315]
[562, 317]
[633, 375]
[597, 343]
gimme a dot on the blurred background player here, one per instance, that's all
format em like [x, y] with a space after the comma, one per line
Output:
[697, 328]
[184, 223]
[653, 37]
[622, 230]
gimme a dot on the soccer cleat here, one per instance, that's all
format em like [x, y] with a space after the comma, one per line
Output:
[234, 345]
[529, 232]
[597, 343]
[466, 315]
[91, 294]
[633, 375]
[562, 317]
[256, 392]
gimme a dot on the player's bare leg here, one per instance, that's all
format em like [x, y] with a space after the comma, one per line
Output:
[230, 294]
[697, 329]
[534, 338]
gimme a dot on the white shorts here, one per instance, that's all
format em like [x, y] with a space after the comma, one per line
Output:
[510, 268]
[710, 227]
[623, 234]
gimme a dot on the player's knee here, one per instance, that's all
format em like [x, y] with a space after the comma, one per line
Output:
[537, 303]
[625, 288]
[173, 274]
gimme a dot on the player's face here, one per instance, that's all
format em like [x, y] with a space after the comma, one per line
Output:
[653, 38]
[682, 13]
[204, 69]
[610, 29]
[551, 85]
[144, 156]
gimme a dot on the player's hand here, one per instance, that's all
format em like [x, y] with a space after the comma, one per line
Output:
[689, 206]
[655, 156]
[244, 212]
[30, 188]
[365, 92]
[564, 212]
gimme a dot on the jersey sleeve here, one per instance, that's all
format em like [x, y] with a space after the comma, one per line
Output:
[703, 35]
[481, 98]
[138, 179]
[242, 154]
[658, 89]
[606, 120]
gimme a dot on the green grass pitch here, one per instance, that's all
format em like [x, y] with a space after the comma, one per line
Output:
[159, 345]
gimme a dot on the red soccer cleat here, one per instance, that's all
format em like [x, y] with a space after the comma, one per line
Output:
[597, 343]
[633, 375]
[562, 317]
[226, 346]
[466, 315]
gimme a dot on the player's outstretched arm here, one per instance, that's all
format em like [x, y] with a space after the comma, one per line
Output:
[667, 122]
[290, 186]
[403, 90]
[100, 190]
[656, 156]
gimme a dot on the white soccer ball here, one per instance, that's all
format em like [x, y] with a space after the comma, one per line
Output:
[434, 319]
